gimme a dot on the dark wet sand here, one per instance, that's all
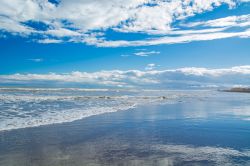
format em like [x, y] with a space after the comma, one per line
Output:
[185, 133]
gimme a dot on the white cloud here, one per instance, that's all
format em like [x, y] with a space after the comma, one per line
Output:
[231, 21]
[150, 66]
[175, 78]
[173, 40]
[62, 32]
[36, 60]
[14, 27]
[146, 53]
[49, 41]
[159, 17]
[78, 20]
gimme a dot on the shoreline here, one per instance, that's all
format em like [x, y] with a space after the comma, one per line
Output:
[238, 90]
[146, 135]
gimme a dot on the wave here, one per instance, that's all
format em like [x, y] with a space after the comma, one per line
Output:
[31, 107]
[52, 117]
[51, 89]
[22, 110]
[19, 98]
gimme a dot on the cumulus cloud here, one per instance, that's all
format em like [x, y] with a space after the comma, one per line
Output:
[150, 78]
[87, 21]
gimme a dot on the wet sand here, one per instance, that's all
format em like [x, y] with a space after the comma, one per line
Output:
[186, 133]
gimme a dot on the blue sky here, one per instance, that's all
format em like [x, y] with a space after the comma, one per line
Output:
[42, 37]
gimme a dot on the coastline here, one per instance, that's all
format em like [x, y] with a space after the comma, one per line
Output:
[169, 134]
[238, 90]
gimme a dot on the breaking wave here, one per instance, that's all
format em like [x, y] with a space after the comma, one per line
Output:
[27, 107]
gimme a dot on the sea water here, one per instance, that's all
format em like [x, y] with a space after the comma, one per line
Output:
[30, 107]
[123, 127]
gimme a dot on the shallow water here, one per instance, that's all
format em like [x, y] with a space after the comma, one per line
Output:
[183, 128]
[29, 107]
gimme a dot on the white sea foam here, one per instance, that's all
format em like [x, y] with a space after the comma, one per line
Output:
[52, 117]
[36, 108]
[31, 107]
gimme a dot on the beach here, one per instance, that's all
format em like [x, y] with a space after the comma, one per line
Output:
[211, 130]
[125, 83]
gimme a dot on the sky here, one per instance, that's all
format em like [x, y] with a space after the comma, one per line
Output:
[125, 44]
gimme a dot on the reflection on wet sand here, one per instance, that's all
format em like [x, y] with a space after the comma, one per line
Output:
[212, 131]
